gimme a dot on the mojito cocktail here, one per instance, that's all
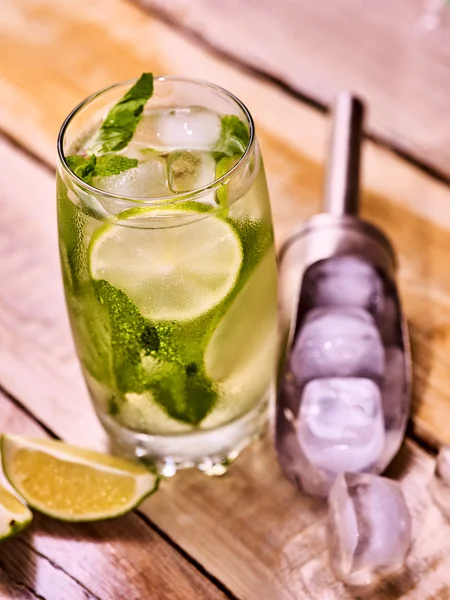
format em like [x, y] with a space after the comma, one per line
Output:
[169, 269]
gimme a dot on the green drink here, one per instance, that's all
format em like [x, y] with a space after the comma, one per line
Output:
[169, 268]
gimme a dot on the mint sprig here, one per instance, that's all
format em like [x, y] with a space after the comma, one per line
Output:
[113, 165]
[82, 166]
[234, 136]
[87, 167]
[121, 122]
[115, 133]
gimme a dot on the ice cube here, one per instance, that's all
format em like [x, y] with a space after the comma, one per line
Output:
[344, 281]
[190, 170]
[194, 127]
[340, 342]
[147, 180]
[146, 137]
[440, 484]
[340, 424]
[369, 527]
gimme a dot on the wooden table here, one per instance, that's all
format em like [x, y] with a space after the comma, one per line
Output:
[249, 535]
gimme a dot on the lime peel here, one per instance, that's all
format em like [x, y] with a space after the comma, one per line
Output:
[14, 515]
[71, 483]
[174, 273]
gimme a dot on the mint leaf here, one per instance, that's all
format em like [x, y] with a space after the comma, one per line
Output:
[121, 121]
[87, 167]
[114, 164]
[234, 136]
[115, 133]
[82, 166]
[183, 391]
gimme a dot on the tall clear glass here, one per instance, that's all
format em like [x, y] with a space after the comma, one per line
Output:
[171, 299]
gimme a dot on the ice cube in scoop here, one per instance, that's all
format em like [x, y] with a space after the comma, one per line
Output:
[344, 281]
[339, 342]
[340, 424]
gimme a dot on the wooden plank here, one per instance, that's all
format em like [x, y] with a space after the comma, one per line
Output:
[13, 591]
[380, 49]
[123, 558]
[39, 86]
[25, 574]
[251, 529]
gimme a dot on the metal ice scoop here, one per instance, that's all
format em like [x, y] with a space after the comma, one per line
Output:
[345, 376]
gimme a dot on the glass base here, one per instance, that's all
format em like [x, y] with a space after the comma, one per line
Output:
[211, 451]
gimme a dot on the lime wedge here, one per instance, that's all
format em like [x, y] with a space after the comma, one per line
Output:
[172, 264]
[14, 516]
[73, 484]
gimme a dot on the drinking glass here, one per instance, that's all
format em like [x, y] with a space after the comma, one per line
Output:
[170, 277]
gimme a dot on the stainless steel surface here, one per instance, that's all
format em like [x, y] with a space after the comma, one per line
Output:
[321, 237]
[342, 182]
[339, 232]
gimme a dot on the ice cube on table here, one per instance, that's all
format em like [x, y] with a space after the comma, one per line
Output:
[369, 527]
[340, 425]
[344, 281]
[339, 342]
[190, 170]
[187, 128]
[147, 180]
[440, 483]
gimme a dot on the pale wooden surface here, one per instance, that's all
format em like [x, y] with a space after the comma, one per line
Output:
[251, 530]
[380, 50]
[108, 560]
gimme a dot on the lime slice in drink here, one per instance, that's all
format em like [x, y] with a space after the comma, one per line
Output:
[240, 356]
[142, 413]
[173, 264]
[73, 484]
[14, 516]
[247, 325]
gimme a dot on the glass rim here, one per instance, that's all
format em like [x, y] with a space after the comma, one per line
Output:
[179, 196]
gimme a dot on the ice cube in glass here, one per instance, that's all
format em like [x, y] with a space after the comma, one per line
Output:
[147, 180]
[190, 170]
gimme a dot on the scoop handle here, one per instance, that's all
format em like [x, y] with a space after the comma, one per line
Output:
[342, 181]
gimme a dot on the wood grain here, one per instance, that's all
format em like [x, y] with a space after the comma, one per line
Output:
[251, 529]
[108, 41]
[123, 558]
[381, 50]
[25, 574]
